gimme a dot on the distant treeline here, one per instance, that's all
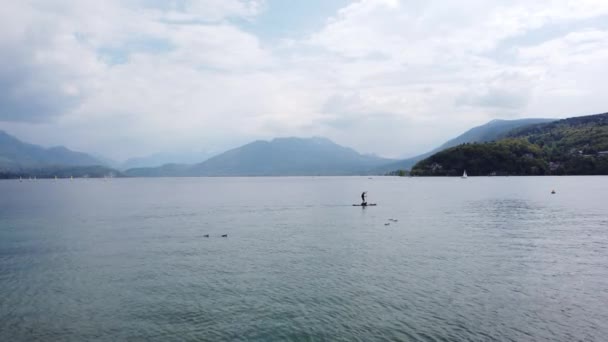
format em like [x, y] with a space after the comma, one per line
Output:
[61, 172]
[400, 173]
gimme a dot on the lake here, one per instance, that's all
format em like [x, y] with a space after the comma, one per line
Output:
[486, 258]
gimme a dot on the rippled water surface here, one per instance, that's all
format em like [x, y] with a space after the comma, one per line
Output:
[480, 259]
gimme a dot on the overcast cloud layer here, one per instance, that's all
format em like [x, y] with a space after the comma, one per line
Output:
[133, 77]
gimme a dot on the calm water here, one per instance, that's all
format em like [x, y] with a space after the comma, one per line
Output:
[481, 259]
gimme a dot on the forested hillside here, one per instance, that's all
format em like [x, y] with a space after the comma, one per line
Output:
[574, 146]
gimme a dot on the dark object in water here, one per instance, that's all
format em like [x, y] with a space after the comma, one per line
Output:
[365, 205]
[206, 235]
[364, 198]
[387, 224]
[225, 235]
[553, 192]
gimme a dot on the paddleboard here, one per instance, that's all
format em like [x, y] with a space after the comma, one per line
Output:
[367, 205]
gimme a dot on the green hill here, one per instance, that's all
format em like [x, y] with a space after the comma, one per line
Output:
[574, 146]
[493, 130]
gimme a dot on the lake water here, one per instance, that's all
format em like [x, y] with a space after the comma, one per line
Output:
[488, 258]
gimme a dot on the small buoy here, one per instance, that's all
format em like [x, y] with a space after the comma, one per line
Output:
[553, 192]
[225, 235]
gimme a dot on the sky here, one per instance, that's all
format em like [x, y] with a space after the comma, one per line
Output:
[125, 78]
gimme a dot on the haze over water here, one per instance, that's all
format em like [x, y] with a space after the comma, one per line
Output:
[488, 258]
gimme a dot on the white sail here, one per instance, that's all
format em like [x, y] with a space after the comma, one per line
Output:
[464, 175]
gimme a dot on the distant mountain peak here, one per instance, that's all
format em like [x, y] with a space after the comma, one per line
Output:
[314, 139]
[17, 154]
[495, 121]
[58, 149]
[324, 140]
[283, 156]
[5, 136]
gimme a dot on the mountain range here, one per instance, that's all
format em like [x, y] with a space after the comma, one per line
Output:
[15, 155]
[490, 131]
[158, 159]
[573, 146]
[303, 156]
[315, 156]
[278, 157]
[20, 159]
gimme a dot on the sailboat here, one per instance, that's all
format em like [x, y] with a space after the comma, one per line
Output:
[464, 175]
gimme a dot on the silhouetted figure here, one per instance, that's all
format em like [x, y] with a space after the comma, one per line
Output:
[363, 197]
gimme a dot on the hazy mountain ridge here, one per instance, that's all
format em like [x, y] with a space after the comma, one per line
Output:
[493, 130]
[278, 157]
[167, 170]
[490, 131]
[20, 159]
[573, 146]
[15, 154]
[281, 156]
[160, 159]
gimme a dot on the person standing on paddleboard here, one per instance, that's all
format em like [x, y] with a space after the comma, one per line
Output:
[363, 195]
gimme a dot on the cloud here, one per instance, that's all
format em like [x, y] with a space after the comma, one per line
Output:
[496, 98]
[31, 97]
[40, 73]
[218, 10]
[217, 47]
[58, 54]
[386, 76]
[505, 93]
